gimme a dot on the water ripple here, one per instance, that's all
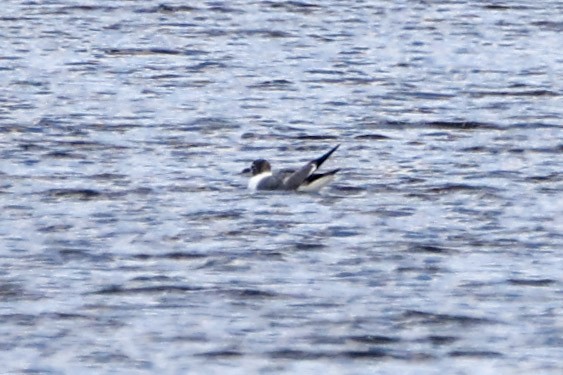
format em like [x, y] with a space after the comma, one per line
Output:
[131, 245]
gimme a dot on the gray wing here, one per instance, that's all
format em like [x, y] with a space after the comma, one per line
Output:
[294, 180]
[273, 182]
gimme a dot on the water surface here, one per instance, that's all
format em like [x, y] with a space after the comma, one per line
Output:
[131, 245]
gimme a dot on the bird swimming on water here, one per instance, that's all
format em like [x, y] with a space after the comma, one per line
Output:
[303, 179]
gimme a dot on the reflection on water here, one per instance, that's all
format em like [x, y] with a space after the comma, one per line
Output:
[130, 243]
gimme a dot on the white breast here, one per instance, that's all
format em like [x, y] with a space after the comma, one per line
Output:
[255, 180]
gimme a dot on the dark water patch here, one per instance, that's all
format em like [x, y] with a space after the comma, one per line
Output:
[251, 294]
[152, 235]
[348, 189]
[531, 282]
[426, 270]
[371, 353]
[264, 33]
[275, 84]
[25, 19]
[85, 8]
[422, 317]
[538, 122]
[405, 212]
[549, 191]
[215, 215]
[498, 7]
[329, 72]
[167, 8]
[457, 125]
[374, 339]
[432, 249]
[336, 103]
[412, 180]
[439, 339]
[156, 289]
[548, 150]
[355, 81]
[308, 246]
[88, 145]
[105, 218]
[481, 149]
[294, 354]
[221, 7]
[455, 188]
[313, 137]
[189, 338]
[65, 255]
[326, 340]
[90, 66]
[481, 284]
[516, 150]
[32, 147]
[63, 155]
[153, 278]
[493, 191]
[259, 136]
[150, 52]
[11, 291]
[267, 255]
[382, 353]
[16, 106]
[182, 147]
[192, 189]
[475, 354]
[177, 255]
[79, 194]
[26, 320]
[205, 124]
[65, 316]
[214, 32]
[549, 25]
[220, 354]
[205, 66]
[56, 123]
[429, 95]
[368, 354]
[166, 76]
[116, 358]
[29, 83]
[448, 125]
[341, 231]
[293, 6]
[532, 93]
[220, 263]
[316, 306]
[372, 137]
[552, 177]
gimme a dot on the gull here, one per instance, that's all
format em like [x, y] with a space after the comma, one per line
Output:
[304, 179]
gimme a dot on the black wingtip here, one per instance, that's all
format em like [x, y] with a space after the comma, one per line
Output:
[318, 162]
[316, 176]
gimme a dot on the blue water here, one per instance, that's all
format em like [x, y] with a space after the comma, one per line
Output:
[131, 245]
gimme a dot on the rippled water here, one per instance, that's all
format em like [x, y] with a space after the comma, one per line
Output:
[131, 245]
